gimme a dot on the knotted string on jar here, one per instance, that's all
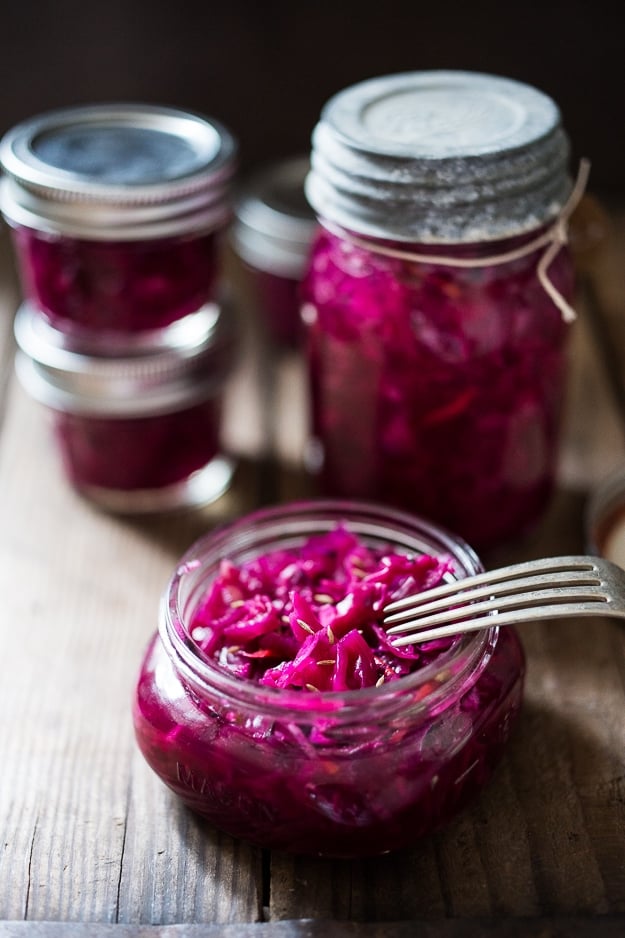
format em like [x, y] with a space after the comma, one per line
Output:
[553, 239]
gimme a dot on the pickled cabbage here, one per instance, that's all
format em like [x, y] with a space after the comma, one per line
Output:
[310, 618]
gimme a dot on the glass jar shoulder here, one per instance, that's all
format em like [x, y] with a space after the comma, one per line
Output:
[167, 705]
[340, 259]
[355, 289]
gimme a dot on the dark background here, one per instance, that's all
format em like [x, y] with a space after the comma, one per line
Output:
[265, 68]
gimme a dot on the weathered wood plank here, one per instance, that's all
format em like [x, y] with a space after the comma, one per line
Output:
[605, 295]
[558, 927]
[86, 832]
[593, 432]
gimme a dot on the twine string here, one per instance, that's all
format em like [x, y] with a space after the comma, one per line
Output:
[553, 240]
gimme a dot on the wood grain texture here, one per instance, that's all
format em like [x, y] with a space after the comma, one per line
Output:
[89, 835]
[556, 927]
[9, 298]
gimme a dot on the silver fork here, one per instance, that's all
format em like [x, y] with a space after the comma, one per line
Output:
[552, 587]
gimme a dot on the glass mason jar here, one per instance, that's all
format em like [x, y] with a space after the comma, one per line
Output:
[272, 234]
[138, 429]
[436, 353]
[349, 773]
[116, 212]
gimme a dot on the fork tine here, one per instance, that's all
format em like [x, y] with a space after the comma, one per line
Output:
[527, 568]
[513, 617]
[550, 588]
[470, 593]
[556, 596]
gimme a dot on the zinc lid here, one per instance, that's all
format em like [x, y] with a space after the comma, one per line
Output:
[117, 171]
[439, 156]
[191, 364]
[274, 223]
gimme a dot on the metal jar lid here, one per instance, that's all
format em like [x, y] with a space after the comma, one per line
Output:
[144, 381]
[275, 224]
[439, 157]
[117, 172]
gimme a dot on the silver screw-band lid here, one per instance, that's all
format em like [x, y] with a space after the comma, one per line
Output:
[274, 224]
[117, 172]
[188, 365]
[440, 157]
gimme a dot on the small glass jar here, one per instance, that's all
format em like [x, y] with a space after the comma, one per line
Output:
[116, 212]
[350, 773]
[272, 235]
[138, 429]
[437, 384]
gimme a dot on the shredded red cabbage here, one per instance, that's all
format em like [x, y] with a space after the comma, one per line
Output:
[115, 285]
[310, 618]
[434, 388]
[316, 774]
[148, 452]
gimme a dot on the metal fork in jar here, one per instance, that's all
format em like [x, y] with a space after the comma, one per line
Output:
[553, 587]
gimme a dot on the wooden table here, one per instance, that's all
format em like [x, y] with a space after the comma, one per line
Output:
[91, 843]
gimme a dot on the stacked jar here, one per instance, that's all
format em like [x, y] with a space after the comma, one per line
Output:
[438, 297]
[273, 231]
[116, 214]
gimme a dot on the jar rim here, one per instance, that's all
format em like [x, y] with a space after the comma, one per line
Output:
[118, 171]
[208, 147]
[469, 653]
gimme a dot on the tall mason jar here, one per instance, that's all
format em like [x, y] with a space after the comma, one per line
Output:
[437, 297]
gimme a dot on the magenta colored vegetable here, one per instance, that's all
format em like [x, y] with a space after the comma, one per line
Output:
[278, 300]
[354, 769]
[110, 286]
[311, 619]
[149, 452]
[435, 388]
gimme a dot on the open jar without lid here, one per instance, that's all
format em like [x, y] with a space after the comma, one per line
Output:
[272, 233]
[138, 429]
[115, 212]
[337, 773]
[436, 353]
